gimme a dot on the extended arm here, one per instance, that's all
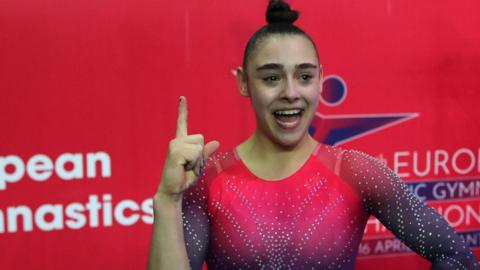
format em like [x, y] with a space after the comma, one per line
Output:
[181, 231]
[170, 245]
[422, 229]
[167, 250]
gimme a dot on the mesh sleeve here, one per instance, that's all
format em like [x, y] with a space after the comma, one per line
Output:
[196, 221]
[423, 230]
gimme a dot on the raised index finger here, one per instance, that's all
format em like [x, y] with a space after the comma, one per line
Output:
[182, 118]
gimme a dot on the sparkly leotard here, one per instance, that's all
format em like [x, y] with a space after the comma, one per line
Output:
[313, 219]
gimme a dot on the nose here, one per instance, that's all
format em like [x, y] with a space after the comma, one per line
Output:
[290, 91]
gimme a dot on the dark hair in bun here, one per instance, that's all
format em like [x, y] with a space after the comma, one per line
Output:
[280, 12]
[280, 18]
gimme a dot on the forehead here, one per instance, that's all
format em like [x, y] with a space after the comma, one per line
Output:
[284, 49]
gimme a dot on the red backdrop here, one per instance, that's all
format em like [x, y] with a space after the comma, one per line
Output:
[89, 95]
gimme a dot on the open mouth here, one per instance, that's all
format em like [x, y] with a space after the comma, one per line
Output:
[288, 118]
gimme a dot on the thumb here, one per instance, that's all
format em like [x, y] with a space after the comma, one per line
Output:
[209, 148]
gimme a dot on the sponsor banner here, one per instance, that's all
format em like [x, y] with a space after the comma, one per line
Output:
[393, 246]
[461, 215]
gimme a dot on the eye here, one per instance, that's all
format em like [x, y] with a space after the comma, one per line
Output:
[305, 77]
[272, 78]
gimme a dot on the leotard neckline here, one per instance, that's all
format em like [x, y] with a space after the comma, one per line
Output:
[288, 178]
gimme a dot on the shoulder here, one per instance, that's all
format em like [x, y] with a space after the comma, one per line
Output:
[369, 174]
[330, 156]
[219, 162]
[361, 162]
[329, 149]
[337, 159]
[216, 164]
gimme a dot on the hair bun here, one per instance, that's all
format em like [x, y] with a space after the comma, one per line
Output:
[279, 12]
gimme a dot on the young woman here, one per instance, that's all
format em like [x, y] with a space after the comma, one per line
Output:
[281, 200]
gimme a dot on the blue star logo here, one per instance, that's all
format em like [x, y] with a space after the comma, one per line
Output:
[342, 128]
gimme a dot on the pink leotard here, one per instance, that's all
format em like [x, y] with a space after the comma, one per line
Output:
[313, 219]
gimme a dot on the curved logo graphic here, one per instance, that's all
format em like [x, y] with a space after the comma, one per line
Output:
[341, 128]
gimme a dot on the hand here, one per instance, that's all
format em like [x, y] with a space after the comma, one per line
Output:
[185, 159]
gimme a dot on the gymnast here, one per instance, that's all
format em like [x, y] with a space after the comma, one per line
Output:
[281, 200]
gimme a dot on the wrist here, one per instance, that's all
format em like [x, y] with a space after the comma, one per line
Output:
[164, 202]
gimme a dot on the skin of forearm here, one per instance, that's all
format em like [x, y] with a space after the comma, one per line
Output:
[167, 250]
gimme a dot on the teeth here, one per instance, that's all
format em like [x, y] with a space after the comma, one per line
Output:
[288, 112]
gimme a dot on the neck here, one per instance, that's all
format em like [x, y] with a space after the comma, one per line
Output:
[263, 147]
[272, 160]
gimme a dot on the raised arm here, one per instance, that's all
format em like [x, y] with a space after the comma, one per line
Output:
[422, 229]
[182, 167]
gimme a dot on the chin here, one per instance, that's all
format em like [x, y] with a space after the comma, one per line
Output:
[288, 140]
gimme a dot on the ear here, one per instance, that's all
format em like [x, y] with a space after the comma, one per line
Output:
[320, 74]
[241, 77]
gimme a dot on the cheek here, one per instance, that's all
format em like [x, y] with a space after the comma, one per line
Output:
[259, 105]
[261, 99]
[313, 95]
[316, 99]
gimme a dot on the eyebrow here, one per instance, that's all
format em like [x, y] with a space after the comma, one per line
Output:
[270, 66]
[306, 66]
[279, 66]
